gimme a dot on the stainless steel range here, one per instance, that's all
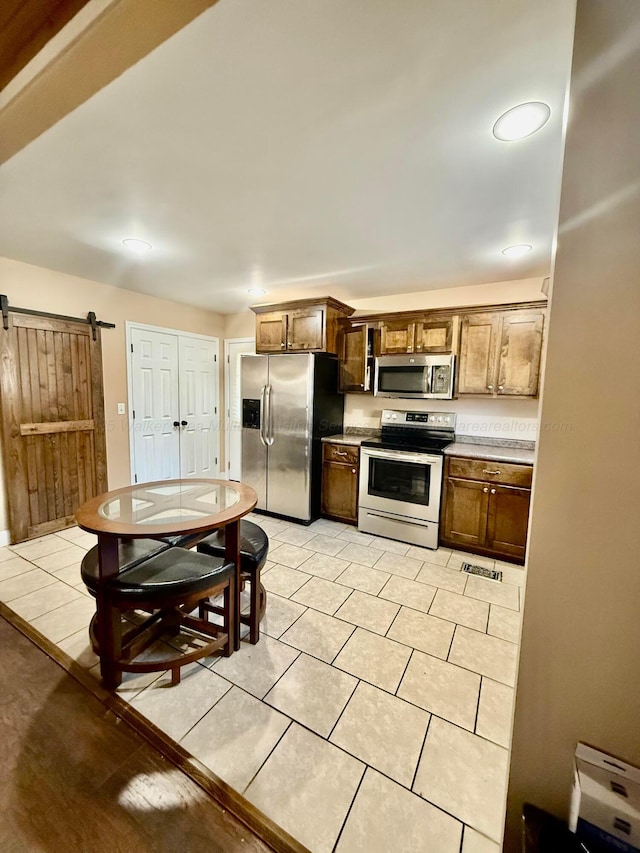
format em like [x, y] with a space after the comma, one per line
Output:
[401, 476]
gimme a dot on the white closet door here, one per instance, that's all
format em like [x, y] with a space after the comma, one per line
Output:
[156, 441]
[234, 349]
[174, 399]
[199, 424]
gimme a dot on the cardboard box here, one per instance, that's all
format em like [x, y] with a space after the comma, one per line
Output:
[605, 803]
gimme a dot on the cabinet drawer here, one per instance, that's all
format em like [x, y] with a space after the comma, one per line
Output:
[490, 471]
[341, 453]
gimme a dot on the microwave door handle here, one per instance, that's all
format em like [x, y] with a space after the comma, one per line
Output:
[429, 379]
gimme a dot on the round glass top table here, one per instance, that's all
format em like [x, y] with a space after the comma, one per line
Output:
[161, 510]
[166, 508]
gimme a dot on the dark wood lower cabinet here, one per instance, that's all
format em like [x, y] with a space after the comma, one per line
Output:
[340, 473]
[483, 515]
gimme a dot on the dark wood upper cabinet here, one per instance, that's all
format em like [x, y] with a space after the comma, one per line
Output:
[397, 336]
[478, 349]
[306, 325]
[500, 353]
[435, 334]
[424, 334]
[356, 358]
[271, 332]
[498, 347]
[520, 353]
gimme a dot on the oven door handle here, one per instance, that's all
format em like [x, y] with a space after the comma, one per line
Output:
[401, 455]
[397, 520]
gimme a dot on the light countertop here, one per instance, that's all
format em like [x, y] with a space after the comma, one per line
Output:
[354, 439]
[491, 452]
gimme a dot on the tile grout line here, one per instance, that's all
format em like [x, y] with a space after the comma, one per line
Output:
[346, 817]
[420, 754]
[326, 738]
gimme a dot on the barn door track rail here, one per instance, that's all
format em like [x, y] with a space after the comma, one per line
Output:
[90, 319]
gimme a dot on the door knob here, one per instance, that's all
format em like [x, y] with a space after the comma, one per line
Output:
[486, 490]
[493, 491]
[184, 423]
[176, 423]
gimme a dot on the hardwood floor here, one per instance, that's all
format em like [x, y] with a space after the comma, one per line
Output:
[75, 777]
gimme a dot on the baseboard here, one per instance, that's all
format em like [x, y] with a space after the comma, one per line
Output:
[5, 538]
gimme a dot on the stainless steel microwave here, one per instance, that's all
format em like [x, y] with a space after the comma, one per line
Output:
[415, 377]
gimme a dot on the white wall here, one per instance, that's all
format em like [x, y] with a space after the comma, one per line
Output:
[579, 675]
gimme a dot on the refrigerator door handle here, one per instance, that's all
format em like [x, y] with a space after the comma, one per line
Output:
[262, 414]
[269, 417]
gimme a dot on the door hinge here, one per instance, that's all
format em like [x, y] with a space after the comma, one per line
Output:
[215, 357]
[228, 466]
[134, 414]
[228, 359]
[215, 410]
[131, 347]
[216, 462]
[135, 478]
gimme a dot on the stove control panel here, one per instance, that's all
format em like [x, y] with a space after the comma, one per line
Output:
[422, 420]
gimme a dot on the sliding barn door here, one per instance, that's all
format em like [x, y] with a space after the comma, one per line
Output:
[52, 420]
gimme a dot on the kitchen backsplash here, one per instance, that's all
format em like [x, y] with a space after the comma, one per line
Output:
[483, 418]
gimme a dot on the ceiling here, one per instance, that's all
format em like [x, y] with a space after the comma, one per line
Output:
[310, 148]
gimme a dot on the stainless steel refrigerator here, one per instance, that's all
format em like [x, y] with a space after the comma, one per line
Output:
[289, 402]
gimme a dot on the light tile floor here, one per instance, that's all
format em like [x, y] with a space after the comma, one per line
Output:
[375, 712]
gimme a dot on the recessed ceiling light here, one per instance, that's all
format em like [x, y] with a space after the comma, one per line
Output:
[256, 291]
[517, 251]
[140, 247]
[521, 121]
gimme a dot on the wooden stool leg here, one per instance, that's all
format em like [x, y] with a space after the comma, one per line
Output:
[229, 616]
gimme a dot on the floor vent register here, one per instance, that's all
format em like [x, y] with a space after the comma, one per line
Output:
[490, 574]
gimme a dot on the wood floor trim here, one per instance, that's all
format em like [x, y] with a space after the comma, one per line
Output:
[244, 811]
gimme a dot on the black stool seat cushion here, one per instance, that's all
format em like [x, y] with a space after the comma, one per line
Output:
[130, 553]
[173, 572]
[254, 545]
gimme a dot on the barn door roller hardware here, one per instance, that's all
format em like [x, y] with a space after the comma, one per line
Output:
[90, 318]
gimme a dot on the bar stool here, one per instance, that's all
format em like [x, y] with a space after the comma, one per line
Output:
[254, 546]
[167, 585]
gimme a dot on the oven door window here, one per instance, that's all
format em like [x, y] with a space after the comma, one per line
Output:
[404, 380]
[400, 481]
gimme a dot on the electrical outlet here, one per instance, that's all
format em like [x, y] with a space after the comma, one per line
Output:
[122, 409]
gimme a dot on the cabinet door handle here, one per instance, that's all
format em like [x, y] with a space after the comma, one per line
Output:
[487, 471]
[500, 387]
[340, 452]
[486, 490]
[490, 387]
[493, 491]
[353, 471]
[282, 345]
